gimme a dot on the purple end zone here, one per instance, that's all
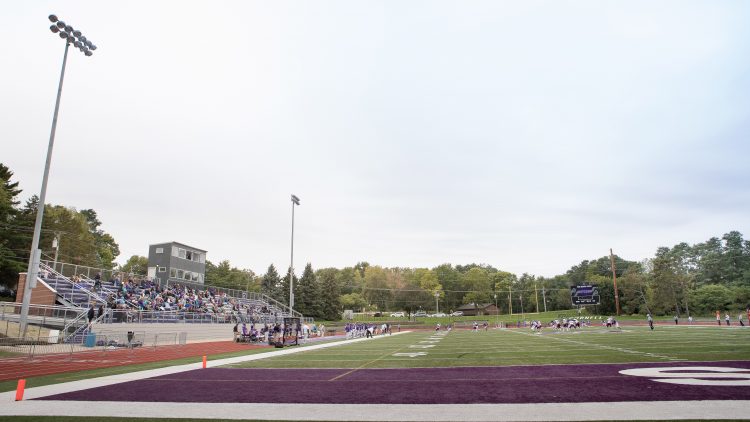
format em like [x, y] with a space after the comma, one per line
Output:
[509, 384]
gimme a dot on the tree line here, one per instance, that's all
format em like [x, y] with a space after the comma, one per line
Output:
[699, 279]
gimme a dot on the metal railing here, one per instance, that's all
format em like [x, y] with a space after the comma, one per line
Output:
[69, 270]
[30, 348]
[60, 278]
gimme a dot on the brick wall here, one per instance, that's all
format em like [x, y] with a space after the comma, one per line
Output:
[42, 294]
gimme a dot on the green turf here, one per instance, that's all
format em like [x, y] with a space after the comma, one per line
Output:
[522, 347]
[4, 354]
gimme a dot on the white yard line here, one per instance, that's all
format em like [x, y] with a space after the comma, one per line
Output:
[601, 346]
[48, 390]
[637, 410]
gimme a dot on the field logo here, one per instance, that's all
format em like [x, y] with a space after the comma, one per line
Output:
[694, 375]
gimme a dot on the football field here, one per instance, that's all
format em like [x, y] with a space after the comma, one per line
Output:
[524, 347]
[594, 373]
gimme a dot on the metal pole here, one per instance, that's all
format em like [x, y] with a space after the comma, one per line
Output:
[510, 300]
[291, 269]
[544, 298]
[57, 249]
[437, 295]
[33, 268]
[497, 311]
[614, 279]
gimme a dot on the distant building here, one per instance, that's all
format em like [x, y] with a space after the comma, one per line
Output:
[479, 309]
[174, 262]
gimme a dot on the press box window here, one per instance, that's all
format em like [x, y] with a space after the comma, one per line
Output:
[159, 250]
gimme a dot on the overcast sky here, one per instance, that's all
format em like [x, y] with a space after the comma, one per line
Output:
[528, 135]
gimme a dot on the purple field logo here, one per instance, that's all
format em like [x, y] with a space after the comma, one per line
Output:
[694, 375]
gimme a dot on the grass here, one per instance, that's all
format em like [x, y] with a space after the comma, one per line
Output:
[522, 347]
[4, 354]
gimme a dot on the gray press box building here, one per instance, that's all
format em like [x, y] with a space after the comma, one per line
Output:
[174, 262]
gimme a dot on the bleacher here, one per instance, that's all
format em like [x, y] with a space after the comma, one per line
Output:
[78, 291]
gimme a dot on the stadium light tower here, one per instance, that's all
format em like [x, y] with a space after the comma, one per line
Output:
[295, 201]
[78, 40]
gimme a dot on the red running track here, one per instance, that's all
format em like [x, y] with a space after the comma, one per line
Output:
[22, 367]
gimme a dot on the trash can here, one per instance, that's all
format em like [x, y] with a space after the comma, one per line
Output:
[90, 340]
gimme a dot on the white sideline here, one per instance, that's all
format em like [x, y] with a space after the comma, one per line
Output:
[67, 387]
[660, 410]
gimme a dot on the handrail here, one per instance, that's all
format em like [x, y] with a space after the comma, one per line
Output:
[88, 269]
[75, 321]
[59, 275]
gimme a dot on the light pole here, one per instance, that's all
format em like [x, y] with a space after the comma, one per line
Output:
[497, 311]
[295, 201]
[437, 309]
[75, 38]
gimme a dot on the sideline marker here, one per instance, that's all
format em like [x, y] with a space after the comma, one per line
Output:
[204, 362]
[19, 389]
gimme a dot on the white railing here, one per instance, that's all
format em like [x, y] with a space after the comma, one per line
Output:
[60, 278]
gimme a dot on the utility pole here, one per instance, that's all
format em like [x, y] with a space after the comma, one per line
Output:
[544, 298]
[536, 294]
[614, 279]
[510, 301]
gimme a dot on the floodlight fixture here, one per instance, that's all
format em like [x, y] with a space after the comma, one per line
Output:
[54, 28]
[52, 18]
[61, 24]
[77, 33]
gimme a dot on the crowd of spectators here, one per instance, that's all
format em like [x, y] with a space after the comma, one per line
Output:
[145, 295]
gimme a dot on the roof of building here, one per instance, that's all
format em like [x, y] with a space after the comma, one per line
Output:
[178, 243]
[470, 306]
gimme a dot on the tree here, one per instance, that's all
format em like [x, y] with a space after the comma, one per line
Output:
[710, 298]
[377, 291]
[450, 279]
[477, 280]
[14, 240]
[225, 275]
[503, 282]
[306, 294]
[330, 292]
[107, 248]
[270, 284]
[285, 287]
[136, 264]
[353, 301]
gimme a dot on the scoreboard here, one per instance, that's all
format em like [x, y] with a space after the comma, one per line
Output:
[584, 295]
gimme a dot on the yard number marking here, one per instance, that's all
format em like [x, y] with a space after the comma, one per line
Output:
[694, 375]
